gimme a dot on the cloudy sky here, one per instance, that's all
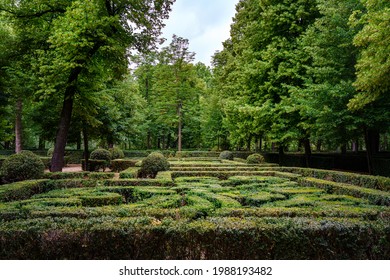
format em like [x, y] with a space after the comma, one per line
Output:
[205, 23]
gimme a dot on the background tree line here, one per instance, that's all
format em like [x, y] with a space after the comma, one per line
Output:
[294, 75]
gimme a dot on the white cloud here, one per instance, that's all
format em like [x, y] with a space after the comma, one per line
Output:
[205, 23]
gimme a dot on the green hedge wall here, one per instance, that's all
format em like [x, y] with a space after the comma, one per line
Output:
[210, 238]
[365, 181]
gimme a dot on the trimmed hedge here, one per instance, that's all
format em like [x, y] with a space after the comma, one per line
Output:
[195, 154]
[365, 181]
[250, 214]
[95, 164]
[227, 155]
[222, 175]
[129, 173]
[22, 166]
[255, 159]
[116, 153]
[149, 238]
[118, 165]
[374, 196]
[22, 190]
[152, 164]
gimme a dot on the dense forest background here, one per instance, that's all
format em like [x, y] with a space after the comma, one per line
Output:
[295, 75]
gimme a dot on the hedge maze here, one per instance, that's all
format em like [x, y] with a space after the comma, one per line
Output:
[199, 209]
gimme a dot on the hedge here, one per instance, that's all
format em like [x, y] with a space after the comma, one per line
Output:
[118, 165]
[374, 196]
[94, 165]
[21, 190]
[210, 238]
[138, 182]
[366, 181]
[131, 172]
[79, 175]
[194, 154]
[222, 167]
[226, 174]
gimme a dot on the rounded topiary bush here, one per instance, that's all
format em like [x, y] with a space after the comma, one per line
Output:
[22, 166]
[226, 155]
[101, 154]
[255, 159]
[116, 153]
[152, 164]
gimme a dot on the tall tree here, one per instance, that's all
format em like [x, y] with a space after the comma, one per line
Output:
[175, 86]
[260, 66]
[85, 33]
[329, 58]
[372, 100]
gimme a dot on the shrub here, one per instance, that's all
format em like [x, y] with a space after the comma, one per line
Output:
[226, 155]
[23, 166]
[116, 153]
[255, 159]
[152, 164]
[118, 165]
[101, 154]
[99, 159]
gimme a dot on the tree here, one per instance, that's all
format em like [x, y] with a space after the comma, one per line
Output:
[372, 100]
[82, 34]
[175, 88]
[373, 65]
[260, 65]
[330, 59]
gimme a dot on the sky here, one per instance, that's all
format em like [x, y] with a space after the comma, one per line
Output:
[205, 23]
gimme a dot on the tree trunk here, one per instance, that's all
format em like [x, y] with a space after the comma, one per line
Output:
[281, 153]
[179, 113]
[355, 146]
[372, 147]
[344, 149]
[148, 142]
[259, 144]
[86, 148]
[169, 140]
[318, 146]
[18, 126]
[78, 141]
[248, 143]
[306, 143]
[57, 161]
[41, 143]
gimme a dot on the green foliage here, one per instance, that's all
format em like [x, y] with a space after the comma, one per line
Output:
[291, 216]
[152, 164]
[116, 153]
[119, 165]
[373, 65]
[130, 172]
[228, 155]
[50, 152]
[255, 159]
[101, 154]
[23, 166]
